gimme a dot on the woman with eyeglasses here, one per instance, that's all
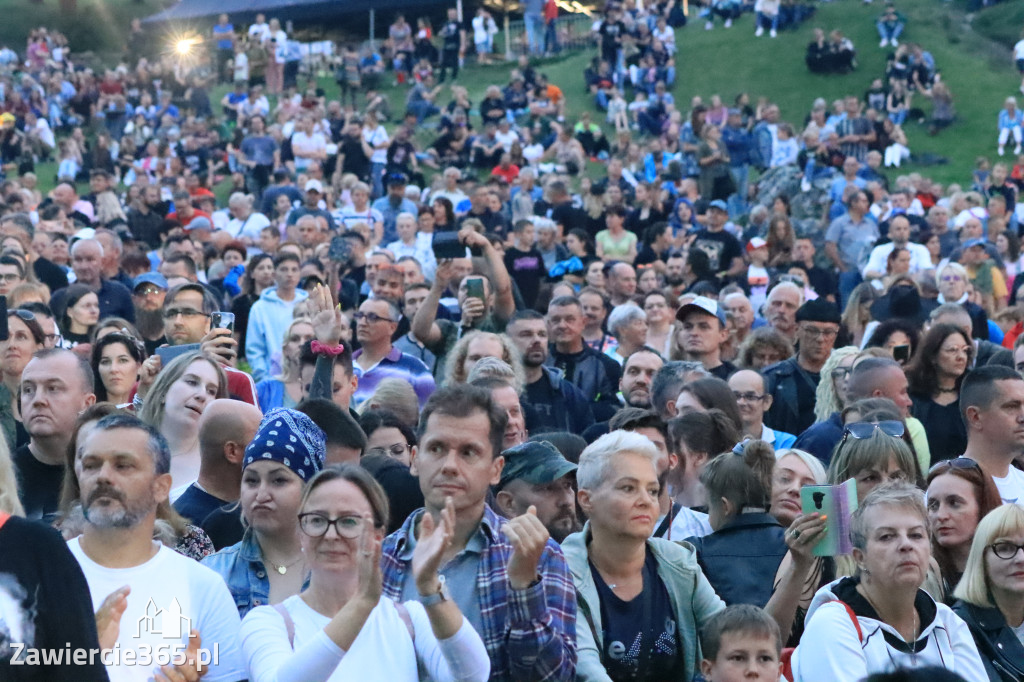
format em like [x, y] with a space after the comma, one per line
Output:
[268, 565]
[388, 436]
[879, 619]
[285, 390]
[25, 337]
[340, 627]
[960, 494]
[80, 314]
[991, 593]
[830, 396]
[742, 554]
[934, 376]
[116, 359]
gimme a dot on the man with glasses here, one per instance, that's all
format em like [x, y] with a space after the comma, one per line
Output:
[44, 316]
[703, 331]
[87, 263]
[270, 316]
[992, 407]
[12, 273]
[793, 383]
[378, 359]
[753, 402]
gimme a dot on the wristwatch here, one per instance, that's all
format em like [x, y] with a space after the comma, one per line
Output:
[441, 595]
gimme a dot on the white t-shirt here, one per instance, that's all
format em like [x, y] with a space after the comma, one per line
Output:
[383, 650]
[374, 138]
[1011, 488]
[170, 595]
[1018, 50]
[250, 227]
[307, 144]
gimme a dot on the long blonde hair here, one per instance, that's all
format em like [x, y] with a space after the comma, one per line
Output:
[9, 501]
[825, 399]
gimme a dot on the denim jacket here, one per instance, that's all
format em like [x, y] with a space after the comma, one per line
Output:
[241, 566]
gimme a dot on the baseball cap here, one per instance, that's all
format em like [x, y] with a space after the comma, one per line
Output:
[84, 233]
[977, 241]
[314, 186]
[396, 179]
[756, 243]
[199, 223]
[7, 120]
[536, 462]
[705, 305]
[719, 204]
[154, 278]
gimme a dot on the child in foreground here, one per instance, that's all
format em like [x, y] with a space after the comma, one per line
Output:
[741, 643]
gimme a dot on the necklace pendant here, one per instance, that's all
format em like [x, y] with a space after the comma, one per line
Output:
[282, 569]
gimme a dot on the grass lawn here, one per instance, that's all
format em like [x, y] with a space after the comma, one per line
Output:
[974, 59]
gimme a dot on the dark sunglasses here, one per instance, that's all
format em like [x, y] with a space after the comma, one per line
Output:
[958, 463]
[862, 430]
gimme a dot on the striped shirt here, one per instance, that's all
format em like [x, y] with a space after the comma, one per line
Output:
[394, 365]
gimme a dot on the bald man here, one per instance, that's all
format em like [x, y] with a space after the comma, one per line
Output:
[753, 401]
[225, 429]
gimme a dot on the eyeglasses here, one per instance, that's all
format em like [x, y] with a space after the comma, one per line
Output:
[957, 463]
[749, 397]
[396, 450]
[952, 278]
[840, 372]
[147, 290]
[862, 430]
[52, 338]
[172, 313]
[11, 277]
[371, 317]
[1006, 550]
[962, 350]
[817, 332]
[315, 525]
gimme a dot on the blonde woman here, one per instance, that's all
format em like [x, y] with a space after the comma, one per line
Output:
[476, 345]
[396, 396]
[9, 502]
[285, 390]
[831, 394]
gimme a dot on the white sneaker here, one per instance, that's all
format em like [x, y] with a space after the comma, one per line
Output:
[885, 41]
[894, 42]
[1001, 151]
[773, 33]
[708, 26]
[759, 32]
[728, 23]
[1016, 150]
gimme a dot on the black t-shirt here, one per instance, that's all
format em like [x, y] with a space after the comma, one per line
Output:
[539, 407]
[527, 269]
[45, 597]
[195, 504]
[721, 248]
[450, 36]
[50, 274]
[611, 33]
[224, 526]
[724, 370]
[569, 217]
[641, 637]
[356, 161]
[39, 485]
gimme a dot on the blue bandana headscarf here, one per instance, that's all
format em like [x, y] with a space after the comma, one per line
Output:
[291, 438]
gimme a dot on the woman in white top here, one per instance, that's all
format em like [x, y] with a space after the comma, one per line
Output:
[341, 628]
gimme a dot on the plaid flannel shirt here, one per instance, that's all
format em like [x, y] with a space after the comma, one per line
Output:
[530, 634]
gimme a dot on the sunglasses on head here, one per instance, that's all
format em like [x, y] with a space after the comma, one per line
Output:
[957, 463]
[862, 430]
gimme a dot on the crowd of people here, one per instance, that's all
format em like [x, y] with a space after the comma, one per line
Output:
[529, 402]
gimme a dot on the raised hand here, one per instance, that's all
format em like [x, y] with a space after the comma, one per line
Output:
[434, 539]
[443, 275]
[472, 309]
[371, 582]
[326, 320]
[528, 537]
[147, 374]
[803, 534]
[108, 617]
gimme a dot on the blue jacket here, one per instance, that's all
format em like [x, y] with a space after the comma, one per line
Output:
[740, 144]
[821, 439]
[741, 558]
[269, 318]
[241, 566]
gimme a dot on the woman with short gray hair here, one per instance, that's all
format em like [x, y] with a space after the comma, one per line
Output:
[880, 619]
[628, 324]
[633, 591]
